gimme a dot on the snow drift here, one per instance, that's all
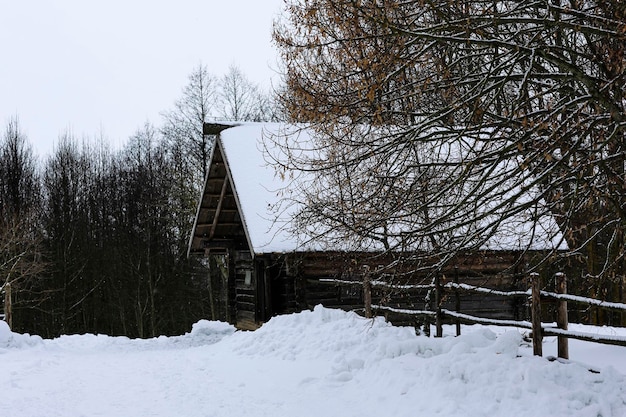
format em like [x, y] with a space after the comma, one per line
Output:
[322, 362]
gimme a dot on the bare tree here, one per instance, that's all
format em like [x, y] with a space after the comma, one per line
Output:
[237, 97]
[243, 100]
[183, 125]
[21, 260]
[508, 110]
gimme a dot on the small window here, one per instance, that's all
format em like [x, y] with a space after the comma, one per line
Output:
[248, 279]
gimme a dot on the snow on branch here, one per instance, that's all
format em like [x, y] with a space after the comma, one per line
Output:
[377, 283]
[340, 281]
[401, 287]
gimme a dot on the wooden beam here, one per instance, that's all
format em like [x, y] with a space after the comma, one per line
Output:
[204, 230]
[229, 224]
[217, 244]
[216, 128]
[210, 195]
[218, 210]
[206, 217]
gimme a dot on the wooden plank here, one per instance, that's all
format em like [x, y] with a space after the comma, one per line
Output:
[243, 306]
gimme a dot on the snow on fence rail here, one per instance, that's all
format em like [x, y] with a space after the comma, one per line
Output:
[544, 294]
[535, 294]
[584, 300]
[467, 287]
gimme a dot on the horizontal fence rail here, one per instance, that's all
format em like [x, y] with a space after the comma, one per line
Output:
[592, 302]
[472, 288]
[588, 337]
[534, 294]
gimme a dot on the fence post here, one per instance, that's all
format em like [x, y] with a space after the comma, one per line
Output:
[561, 316]
[367, 291]
[438, 315]
[535, 312]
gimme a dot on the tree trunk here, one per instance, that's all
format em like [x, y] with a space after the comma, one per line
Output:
[8, 308]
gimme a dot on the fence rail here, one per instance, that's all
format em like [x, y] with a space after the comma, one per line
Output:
[534, 294]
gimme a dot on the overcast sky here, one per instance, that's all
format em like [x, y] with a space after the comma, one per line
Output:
[109, 66]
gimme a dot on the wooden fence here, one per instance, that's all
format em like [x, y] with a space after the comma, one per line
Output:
[534, 294]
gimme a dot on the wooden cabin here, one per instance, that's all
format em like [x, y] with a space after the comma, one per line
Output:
[258, 270]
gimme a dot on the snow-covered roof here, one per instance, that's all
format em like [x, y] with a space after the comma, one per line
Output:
[261, 192]
[259, 188]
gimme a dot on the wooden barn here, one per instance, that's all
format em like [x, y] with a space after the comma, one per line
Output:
[257, 270]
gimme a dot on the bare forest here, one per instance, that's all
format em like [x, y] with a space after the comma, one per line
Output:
[94, 239]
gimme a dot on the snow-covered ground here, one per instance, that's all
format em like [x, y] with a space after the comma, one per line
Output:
[320, 363]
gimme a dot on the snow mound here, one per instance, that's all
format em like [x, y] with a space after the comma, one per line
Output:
[204, 328]
[202, 333]
[479, 373]
[10, 340]
[322, 332]
[5, 333]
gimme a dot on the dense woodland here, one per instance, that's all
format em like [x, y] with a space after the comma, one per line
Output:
[94, 239]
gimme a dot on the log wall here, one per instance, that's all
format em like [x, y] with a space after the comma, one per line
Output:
[287, 283]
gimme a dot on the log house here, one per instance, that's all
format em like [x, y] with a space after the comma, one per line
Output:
[258, 272]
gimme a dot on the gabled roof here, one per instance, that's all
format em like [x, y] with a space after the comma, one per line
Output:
[218, 220]
[249, 190]
[241, 201]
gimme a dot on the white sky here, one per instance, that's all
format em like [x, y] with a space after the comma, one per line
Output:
[109, 66]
